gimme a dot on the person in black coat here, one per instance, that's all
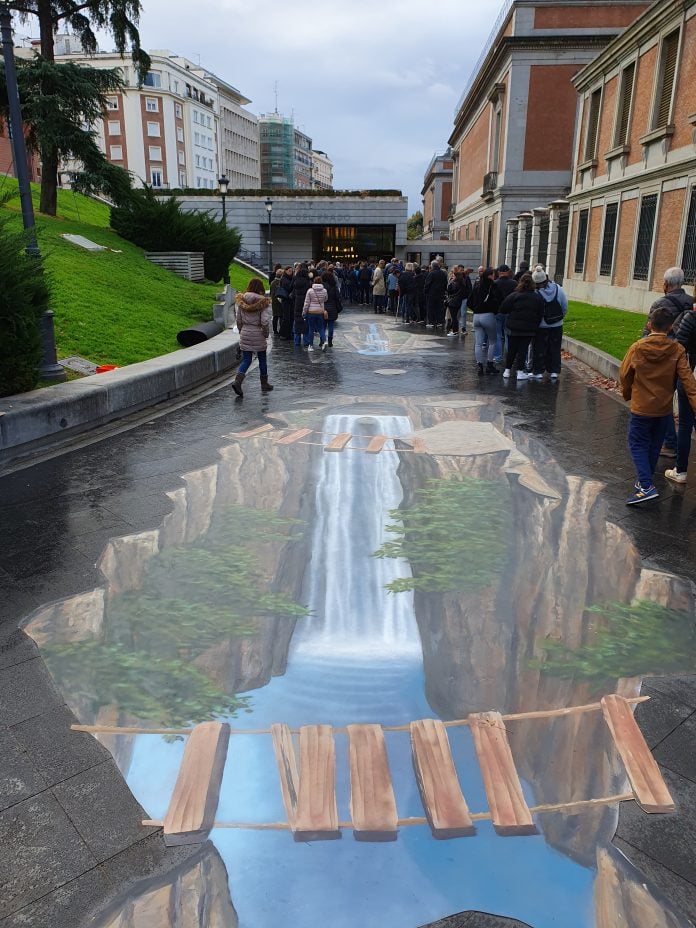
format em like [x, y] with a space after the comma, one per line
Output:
[458, 292]
[300, 285]
[685, 333]
[407, 293]
[420, 293]
[435, 288]
[524, 310]
[333, 305]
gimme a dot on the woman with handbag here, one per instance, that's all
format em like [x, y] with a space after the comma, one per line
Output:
[253, 320]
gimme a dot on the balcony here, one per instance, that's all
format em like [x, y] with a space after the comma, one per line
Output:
[490, 185]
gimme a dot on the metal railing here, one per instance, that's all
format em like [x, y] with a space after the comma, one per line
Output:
[502, 16]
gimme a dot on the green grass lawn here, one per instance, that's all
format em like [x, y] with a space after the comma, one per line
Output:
[112, 307]
[611, 330]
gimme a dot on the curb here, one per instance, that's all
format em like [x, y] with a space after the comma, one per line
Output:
[598, 360]
[34, 421]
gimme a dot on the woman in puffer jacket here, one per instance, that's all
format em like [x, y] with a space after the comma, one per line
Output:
[253, 321]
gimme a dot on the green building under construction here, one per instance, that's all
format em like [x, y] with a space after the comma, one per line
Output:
[285, 154]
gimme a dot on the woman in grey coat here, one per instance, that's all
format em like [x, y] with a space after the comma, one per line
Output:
[253, 321]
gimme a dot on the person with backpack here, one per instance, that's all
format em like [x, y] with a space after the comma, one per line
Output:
[333, 304]
[547, 341]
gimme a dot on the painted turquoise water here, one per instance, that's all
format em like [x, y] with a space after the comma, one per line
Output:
[358, 659]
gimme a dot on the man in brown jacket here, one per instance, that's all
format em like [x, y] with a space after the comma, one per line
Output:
[648, 377]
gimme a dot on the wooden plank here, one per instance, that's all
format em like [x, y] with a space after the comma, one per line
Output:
[509, 811]
[441, 794]
[372, 802]
[251, 433]
[194, 802]
[376, 444]
[287, 769]
[317, 815]
[418, 445]
[339, 442]
[294, 436]
[647, 782]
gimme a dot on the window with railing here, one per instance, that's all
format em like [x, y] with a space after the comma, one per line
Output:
[581, 242]
[606, 261]
[689, 255]
[625, 99]
[644, 239]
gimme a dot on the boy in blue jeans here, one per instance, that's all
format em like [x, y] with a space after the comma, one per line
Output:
[648, 376]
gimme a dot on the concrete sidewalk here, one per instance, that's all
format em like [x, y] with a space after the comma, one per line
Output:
[73, 845]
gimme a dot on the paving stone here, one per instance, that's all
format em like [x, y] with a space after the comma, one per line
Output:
[56, 750]
[659, 717]
[678, 750]
[680, 689]
[148, 859]
[26, 690]
[668, 839]
[41, 850]
[102, 809]
[19, 778]
[680, 893]
[15, 647]
[68, 906]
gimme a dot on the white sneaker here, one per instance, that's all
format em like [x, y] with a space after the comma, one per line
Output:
[506, 373]
[310, 347]
[523, 375]
[674, 475]
[536, 376]
[554, 376]
[451, 335]
[323, 346]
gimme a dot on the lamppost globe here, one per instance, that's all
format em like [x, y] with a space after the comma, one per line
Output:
[223, 185]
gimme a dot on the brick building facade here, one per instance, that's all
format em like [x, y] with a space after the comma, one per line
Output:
[633, 200]
[437, 197]
[514, 127]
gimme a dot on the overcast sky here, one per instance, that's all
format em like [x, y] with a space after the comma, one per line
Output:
[373, 83]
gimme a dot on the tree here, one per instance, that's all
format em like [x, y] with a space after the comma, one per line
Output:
[59, 101]
[414, 226]
[23, 299]
[85, 18]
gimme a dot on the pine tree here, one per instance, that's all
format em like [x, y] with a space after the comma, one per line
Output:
[84, 18]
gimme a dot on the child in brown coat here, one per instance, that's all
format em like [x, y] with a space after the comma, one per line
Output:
[648, 378]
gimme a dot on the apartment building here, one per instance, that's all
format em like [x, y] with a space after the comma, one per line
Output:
[302, 161]
[322, 170]
[182, 127]
[513, 138]
[437, 197]
[633, 197]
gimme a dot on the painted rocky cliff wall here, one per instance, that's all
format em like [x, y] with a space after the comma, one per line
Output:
[194, 895]
[563, 557]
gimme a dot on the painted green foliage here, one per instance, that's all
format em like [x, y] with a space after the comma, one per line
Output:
[193, 598]
[454, 536]
[632, 641]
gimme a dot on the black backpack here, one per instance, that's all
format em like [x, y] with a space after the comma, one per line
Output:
[553, 311]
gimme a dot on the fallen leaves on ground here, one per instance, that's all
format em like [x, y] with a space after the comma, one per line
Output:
[605, 383]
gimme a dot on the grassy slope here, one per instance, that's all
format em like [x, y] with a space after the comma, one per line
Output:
[611, 330]
[112, 308]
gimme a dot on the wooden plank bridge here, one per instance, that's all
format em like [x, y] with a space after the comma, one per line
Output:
[340, 441]
[306, 761]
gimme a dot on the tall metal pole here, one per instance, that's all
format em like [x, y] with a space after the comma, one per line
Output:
[49, 367]
[226, 275]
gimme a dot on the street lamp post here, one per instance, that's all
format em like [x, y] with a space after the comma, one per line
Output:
[269, 208]
[49, 367]
[223, 186]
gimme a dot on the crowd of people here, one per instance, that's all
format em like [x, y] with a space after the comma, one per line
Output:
[518, 319]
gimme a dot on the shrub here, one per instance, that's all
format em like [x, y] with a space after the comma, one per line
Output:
[23, 298]
[162, 225]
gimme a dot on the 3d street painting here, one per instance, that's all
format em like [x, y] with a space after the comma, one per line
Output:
[426, 640]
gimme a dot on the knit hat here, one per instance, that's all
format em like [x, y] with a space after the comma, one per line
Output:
[539, 275]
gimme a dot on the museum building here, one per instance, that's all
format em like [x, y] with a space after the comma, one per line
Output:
[633, 199]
